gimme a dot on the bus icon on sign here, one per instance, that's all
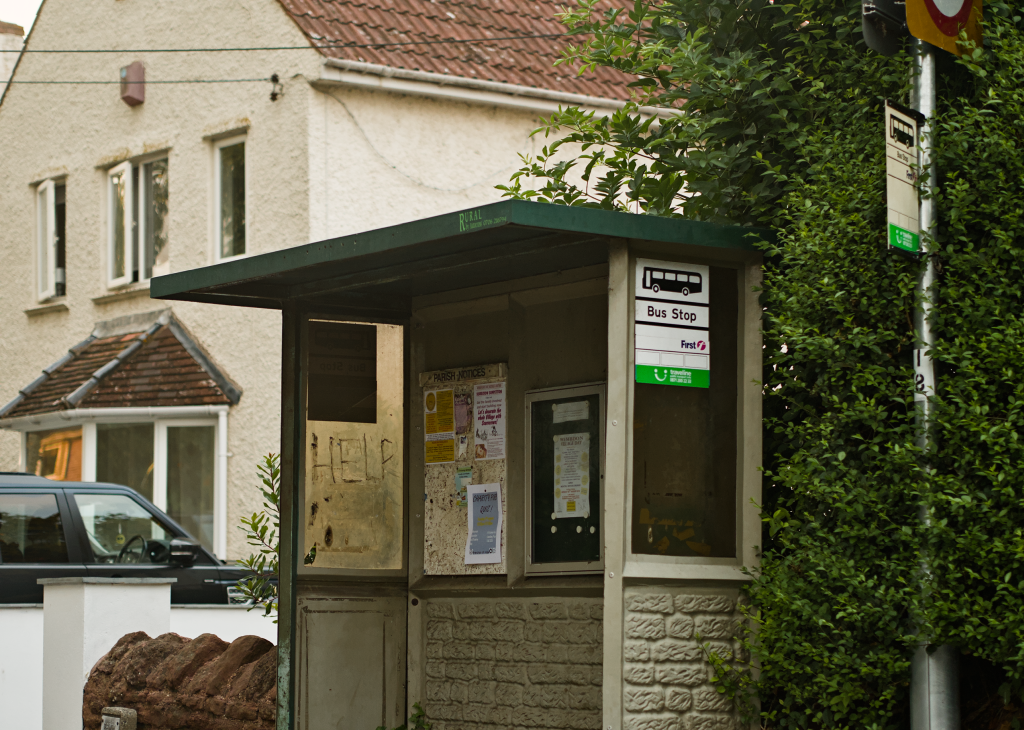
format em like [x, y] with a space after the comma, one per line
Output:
[682, 282]
[901, 131]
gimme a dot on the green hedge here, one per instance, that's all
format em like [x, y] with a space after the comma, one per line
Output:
[782, 123]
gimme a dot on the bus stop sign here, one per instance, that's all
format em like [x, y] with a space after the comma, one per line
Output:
[672, 323]
[901, 159]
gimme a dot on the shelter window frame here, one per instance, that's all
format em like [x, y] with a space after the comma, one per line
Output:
[137, 248]
[234, 249]
[747, 424]
[561, 394]
[50, 239]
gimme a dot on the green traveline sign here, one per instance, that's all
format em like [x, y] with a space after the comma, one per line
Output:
[673, 376]
[903, 239]
[671, 324]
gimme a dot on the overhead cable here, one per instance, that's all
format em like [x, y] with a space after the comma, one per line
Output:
[147, 81]
[321, 46]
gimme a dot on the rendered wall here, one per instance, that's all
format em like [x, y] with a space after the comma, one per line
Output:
[514, 662]
[80, 130]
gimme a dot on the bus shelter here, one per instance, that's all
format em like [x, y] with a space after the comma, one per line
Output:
[524, 442]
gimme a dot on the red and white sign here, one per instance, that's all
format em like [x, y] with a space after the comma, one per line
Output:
[939, 22]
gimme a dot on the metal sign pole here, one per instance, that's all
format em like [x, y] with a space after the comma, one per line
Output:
[934, 690]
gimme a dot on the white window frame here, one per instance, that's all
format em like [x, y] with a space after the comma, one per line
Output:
[218, 418]
[135, 203]
[160, 472]
[218, 145]
[46, 240]
[117, 281]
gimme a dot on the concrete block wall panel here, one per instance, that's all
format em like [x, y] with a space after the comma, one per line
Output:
[668, 634]
[524, 663]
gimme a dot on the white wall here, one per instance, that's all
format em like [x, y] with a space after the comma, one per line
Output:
[378, 158]
[21, 650]
[21, 666]
[227, 622]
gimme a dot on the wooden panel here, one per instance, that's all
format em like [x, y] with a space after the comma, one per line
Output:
[351, 665]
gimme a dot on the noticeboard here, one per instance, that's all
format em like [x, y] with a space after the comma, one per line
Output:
[565, 437]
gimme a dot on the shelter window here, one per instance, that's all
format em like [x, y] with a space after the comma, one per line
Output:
[229, 186]
[138, 195]
[685, 449]
[31, 530]
[50, 244]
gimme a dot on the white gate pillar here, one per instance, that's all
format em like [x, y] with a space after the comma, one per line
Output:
[82, 619]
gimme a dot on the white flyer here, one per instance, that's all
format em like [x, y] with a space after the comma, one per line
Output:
[489, 420]
[575, 411]
[483, 541]
[572, 475]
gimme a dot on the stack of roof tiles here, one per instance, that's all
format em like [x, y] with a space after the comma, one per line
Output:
[510, 41]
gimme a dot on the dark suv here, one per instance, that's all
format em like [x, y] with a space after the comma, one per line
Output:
[54, 529]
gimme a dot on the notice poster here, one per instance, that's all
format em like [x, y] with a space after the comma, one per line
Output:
[575, 411]
[572, 475]
[463, 476]
[489, 420]
[483, 543]
[439, 426]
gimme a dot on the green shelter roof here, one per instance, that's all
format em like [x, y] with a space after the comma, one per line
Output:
[380, 271]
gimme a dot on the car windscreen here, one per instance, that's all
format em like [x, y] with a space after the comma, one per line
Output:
[116, 524]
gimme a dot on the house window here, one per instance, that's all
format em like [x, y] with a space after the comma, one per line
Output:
[55, 454]
[171, 462]
[229, 183]
[124, 455]
[138, 194]
[50, 249]
[190, 476]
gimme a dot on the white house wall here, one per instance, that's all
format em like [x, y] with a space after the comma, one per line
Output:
[79, 131]
[318, 165]
[378, 158]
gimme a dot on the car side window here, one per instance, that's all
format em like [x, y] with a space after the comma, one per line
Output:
[120, 530]
[31, 530]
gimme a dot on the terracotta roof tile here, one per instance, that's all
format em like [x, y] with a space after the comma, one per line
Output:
[160, 373]
[502, 54]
